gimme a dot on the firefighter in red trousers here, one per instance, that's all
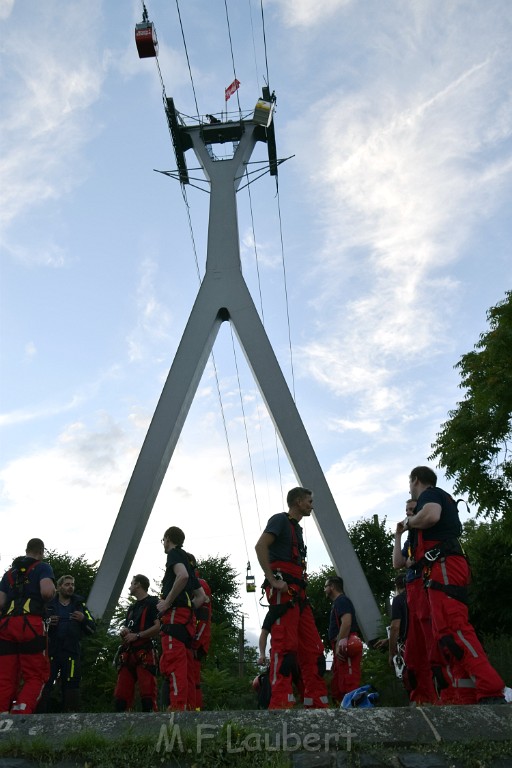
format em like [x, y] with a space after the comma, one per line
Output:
[345, 641]
[457, 657]
[137, 656]
[418, 645]
[24, 591]
[200, 642]
[181, 594]
[295, 640]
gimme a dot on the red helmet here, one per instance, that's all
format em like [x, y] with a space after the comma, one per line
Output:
[354, 646]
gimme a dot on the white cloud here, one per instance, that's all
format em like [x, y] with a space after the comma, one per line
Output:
[153, 318]
[304, 13]
[408, 166]
[55, 75]
[6, 7]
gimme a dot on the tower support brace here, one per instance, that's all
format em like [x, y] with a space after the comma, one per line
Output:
[224, 295]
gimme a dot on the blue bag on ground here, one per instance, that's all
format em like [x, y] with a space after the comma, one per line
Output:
[362, 697]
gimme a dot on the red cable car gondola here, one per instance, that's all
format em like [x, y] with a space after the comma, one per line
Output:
[145, 38]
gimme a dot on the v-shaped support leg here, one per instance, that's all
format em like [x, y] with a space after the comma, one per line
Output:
[217, 301]
[224, 295]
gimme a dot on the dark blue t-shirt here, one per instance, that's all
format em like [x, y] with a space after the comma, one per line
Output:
[288, 545]
[410, 573]
[175, 556]
[448, 526]
[399, 611]
[30, 584]
[340, 607]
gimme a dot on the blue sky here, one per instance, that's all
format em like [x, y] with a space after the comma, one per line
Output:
[395, 212]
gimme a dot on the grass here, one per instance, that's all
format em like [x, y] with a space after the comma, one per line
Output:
[232, 746]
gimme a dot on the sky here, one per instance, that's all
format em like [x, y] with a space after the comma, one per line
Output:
[373, 268]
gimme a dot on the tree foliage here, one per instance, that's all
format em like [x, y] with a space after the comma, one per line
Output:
[83, 572]
[474, 445]
[373, 545]
[488, 551]
[320, 605]
[224, 583]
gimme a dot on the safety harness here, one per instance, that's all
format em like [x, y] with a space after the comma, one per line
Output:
[21, 605]
[144, 651]
[18, 578]
[281, 571]
[439, 553]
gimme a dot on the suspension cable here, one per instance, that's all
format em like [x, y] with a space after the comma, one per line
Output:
[255, 249]
[191, 229]
[232, 57]
[264, 40]
[188, 60]
[286, 293]
[245, 424]
[253, 43]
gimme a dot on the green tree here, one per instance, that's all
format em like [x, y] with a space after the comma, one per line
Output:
[320, 605]
[474, 445]
[83, 572]
[488, 551]
[373, 544]
[224, 582]
[231, 663]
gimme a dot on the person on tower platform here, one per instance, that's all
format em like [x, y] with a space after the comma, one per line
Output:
[181, 594]
[24, 591]
[344, 637]
[446, 576]
[137, 657]
[295, 640]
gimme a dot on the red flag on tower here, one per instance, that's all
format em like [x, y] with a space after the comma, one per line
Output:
[235, 85]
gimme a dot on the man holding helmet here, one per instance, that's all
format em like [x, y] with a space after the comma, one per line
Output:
[346, 644]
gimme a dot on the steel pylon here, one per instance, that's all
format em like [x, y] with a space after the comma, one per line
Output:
[224, 295]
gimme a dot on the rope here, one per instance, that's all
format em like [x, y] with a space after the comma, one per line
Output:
[188, 60]
[232, 57]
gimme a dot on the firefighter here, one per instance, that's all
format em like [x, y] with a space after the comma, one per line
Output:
[70, 621]
[200, 642]
[417, 678]
[137, 659]
[24, 591]
[181, 594]
[345, 641]
[457, 656]
[295, 642]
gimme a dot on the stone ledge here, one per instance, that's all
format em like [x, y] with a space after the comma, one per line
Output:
[308, 729]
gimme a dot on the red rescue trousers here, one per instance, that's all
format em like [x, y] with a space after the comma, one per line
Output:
[23, 657]
[346, 673]
[295, 642]
[472, 676]
[138, 665]
[418, 645]
[174, 659]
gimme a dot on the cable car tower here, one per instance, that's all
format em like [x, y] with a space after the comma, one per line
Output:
[224, 296]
